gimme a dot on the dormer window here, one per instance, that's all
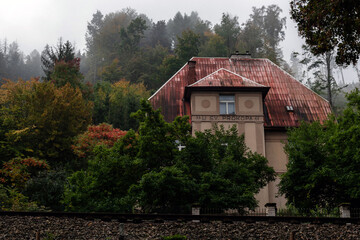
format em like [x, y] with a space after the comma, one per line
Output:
[289, 108]
[227, 104]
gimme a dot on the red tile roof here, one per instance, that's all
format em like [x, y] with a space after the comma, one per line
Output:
[284, 90]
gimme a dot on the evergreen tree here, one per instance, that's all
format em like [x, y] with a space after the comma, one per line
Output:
[51, 55]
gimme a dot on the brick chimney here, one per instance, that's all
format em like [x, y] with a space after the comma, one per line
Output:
[191, 77]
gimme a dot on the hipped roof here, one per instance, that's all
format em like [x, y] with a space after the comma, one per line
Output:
[284, 90]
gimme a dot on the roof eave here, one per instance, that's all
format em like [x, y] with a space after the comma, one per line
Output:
[189, 90]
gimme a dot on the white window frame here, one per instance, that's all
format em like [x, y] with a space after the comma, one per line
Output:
[227, 102]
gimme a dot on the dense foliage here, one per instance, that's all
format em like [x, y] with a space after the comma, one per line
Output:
[38, 122]
[323, 161]
[146, 170]
[96, 135]
[38, 119]
[113, 103]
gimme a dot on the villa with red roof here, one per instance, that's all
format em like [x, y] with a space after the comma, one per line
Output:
[256, 95]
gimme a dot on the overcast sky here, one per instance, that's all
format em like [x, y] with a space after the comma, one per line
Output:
[35, 23]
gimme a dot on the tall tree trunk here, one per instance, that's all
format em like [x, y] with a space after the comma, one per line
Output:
[357, 71]
[342, 76]
[329, 77]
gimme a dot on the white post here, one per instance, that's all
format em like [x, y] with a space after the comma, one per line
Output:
[195, 211]
[344, 210]
[270, 209]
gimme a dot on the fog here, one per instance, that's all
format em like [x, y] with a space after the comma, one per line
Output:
[33, 24]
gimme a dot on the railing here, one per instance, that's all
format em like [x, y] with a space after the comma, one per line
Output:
[355, 212]
[283, 212]
[219, 212]
[233, 212]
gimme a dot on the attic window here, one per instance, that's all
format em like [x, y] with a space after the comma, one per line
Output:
[227, 104]
[289, 108]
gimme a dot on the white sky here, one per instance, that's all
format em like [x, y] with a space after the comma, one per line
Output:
[35, 23]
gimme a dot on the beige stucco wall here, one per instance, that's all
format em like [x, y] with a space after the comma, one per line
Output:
[248, 116]
[249, 121]
[277, 158]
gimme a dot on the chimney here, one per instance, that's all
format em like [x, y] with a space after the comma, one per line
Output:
[191, 77]
[238, 55]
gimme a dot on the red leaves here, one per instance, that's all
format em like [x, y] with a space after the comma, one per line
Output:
[18, 170]
[103, 134]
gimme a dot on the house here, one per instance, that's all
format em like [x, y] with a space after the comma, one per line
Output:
[256, 95]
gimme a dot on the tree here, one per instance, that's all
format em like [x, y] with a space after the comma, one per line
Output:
[168, 190]
[229, 30]
[321, 67]
[159, 35]
[113, 103]
[130, 37]
[146, 169]
[33, 65]
[47, 188]
[181, 23]
[323, 161]
[329, 26]
[67, 72]
[309, 181]
[101, 103]
[41, 120]
[188, 45]
[296, 66]
[17, 171]
[227, 173]
[90, 191]
[214, 47]
[103, 38]
[93, 30]
[345, 149]
[15, 62]
[12, 200]
[263, 32]
[155, 146]
[50, 56]
[96, 135]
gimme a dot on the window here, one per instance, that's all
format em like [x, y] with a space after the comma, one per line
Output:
[227, 104]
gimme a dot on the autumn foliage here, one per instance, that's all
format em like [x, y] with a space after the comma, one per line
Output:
[103, 134]
[40, 120]
[17, 171]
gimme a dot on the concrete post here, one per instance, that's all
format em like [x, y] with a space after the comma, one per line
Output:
[270, 209]
[344, 210]
[195, 210]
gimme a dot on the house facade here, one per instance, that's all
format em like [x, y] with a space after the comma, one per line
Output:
[255, 95]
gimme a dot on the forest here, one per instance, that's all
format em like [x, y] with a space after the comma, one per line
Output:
[68, 118]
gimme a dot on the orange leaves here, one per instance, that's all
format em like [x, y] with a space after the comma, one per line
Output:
[103, 134]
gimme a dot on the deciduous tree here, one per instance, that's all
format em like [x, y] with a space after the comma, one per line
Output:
[322, 169]
[42, 120]
[330, 26]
